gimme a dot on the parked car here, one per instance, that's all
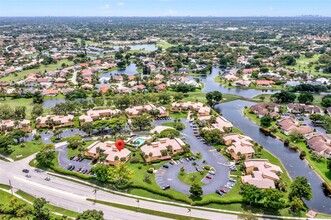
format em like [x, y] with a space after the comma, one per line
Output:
[72, 157]
[224, 190]
[25, 171]
[208, 177]
[81, 159]
[79, 169]
[219, 192]
[211, 172]
[172, 163]
[88, 172]
[47, 179]
[166, 187]
[72, 168]
[28, 176]
[232, 180]
[69, 167]
[187, 159]
[165, 166]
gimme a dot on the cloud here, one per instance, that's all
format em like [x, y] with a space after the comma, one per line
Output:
[171, 12]
[120, 3]
[105, 7]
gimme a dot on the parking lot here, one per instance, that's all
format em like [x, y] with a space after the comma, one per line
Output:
[64, 162]
[169, 176]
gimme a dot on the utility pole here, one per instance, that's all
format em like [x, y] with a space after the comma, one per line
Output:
[11, 188]
[95, 194]
[138, 204]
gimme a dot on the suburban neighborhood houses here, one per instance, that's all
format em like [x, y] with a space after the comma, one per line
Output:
[217, 116]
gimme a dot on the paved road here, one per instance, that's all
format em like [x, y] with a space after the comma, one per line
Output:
[209, 154]
[72, 195]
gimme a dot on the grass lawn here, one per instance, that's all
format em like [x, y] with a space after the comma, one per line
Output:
[145, 211]
[138, 179]
[4, 186]
[164, 44]
[19, 102]
[201, 97]
[173, 124]
[22, 152]
[266, 98]
[20, 75]
[52, 208]
[190, 178]
[302, 65]
[178, 115]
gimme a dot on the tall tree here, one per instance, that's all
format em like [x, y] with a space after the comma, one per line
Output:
[91, 215]
[300, 188]
[196, 190]
[214, 98]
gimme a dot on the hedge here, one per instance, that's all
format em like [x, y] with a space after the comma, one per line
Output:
[70, 173]
[162, 193]
[217, 201]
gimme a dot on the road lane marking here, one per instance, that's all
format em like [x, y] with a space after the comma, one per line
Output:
[49, 188]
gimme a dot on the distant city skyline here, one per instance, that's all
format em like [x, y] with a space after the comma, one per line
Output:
[151, 8]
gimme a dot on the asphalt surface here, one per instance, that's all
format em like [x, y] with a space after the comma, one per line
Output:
[64, 162]
[72, 195]
[209, 154]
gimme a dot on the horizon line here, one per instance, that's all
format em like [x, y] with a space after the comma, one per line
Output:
[167, 16]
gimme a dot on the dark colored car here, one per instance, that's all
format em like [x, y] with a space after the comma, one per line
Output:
[165, 166]
[69, 167]
[172, 163]
[72, 168]
[219, 192]
[208, 177]
[72, 157]
[25, 171]
[81, 159]
[166, 187]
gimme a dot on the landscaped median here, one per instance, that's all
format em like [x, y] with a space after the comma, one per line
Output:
[144, 211]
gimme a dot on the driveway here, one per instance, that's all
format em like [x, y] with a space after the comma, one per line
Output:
[209, 154]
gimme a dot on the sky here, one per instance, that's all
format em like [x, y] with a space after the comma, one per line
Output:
[222, 8]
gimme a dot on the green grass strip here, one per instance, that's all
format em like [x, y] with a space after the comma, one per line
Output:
[52, 208]
[145, 211]
[4, 186]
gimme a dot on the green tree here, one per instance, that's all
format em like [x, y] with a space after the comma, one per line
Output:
[17, 135]
[212, 136]
[305, 97]
[251, 194]
[300, 188]
[283, 96]
[296, 205]
[5, 142]
[88, 127]
[273, 199]
[102, 172]
[196, 190]
[37, 110]
[329, 164]
[214, 98]
[326, 101]
[40, 211]
[74, 141]
[91, 215]
[121, 174]
[266, 121]
[46, 156]
[141, 122]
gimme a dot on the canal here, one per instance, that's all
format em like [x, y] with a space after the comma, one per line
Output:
[233, 111]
